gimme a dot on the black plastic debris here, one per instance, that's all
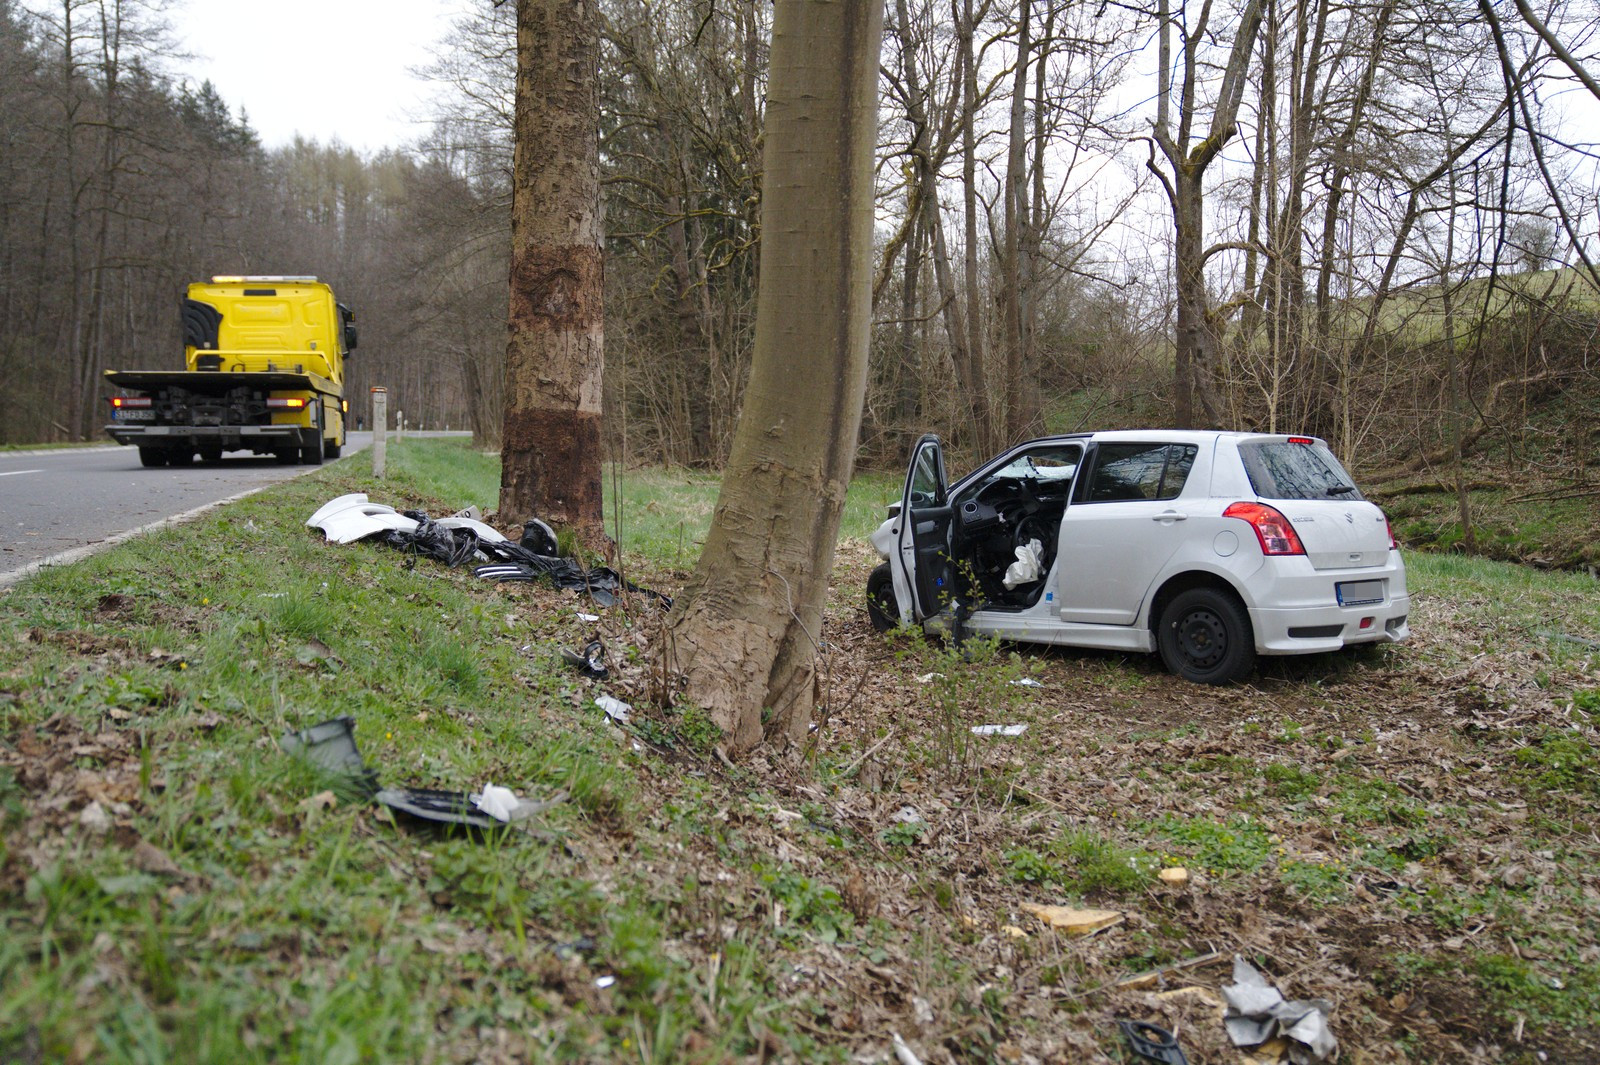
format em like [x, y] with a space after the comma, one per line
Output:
[516, 563]
[1152, 1043]
[539, 538]
[456, 544]
[331, 746]
[453, 547]
[439, 807]
[591, 662]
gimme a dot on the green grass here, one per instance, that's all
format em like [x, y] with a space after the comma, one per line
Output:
[162, 672]
[664, 514]
[293, 932]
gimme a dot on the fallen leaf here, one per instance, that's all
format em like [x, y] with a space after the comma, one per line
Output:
[323, 800]
[152, 859]
[95, 818]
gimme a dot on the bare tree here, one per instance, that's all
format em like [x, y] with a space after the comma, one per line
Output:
[747, 628]
[1197, 341]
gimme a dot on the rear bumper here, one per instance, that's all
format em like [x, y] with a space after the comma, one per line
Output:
[1297, 609]
[223, 435]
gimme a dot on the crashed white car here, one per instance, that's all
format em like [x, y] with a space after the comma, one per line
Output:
[1208, 547]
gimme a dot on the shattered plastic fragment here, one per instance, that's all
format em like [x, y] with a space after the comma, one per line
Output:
[591, 662]
[331, 745]
[1258, 1012]
[497, 802]
[1027, 682]
[999, 730]
[1152, 1043]
[460, 539]
[539, 538]
[615, 709]
[440, 807]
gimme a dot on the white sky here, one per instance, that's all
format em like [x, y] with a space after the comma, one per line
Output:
[329, 69]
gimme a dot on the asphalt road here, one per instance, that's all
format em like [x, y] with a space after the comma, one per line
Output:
[60, 505]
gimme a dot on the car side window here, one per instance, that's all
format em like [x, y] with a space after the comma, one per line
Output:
[1125, 472]
[1180, 460]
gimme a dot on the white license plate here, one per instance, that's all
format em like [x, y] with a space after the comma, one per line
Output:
[1359, 593]
[135, 415]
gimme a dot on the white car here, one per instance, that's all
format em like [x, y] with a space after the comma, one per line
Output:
[1208, 547]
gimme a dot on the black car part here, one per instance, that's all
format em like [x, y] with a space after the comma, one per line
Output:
[1152, 1043]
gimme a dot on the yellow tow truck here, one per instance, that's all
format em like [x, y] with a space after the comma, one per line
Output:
[263, 372]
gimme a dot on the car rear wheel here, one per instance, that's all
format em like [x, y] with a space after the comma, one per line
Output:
[1205, 637]
[882, 609]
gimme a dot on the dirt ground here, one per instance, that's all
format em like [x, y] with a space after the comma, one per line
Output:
[1401, 899]
[1366, 828]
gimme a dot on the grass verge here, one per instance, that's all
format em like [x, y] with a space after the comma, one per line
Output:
[1408, 833]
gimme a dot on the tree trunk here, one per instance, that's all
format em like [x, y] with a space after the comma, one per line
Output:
[976, 377]
[747, 627]
[551, 450]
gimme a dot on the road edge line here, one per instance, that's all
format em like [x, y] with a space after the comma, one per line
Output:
[78, 554]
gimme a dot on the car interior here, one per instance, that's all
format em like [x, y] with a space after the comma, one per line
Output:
[1019, 504]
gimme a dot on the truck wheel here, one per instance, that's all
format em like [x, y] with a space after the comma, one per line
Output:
[211, 455]
[332, 449]
[152, 456]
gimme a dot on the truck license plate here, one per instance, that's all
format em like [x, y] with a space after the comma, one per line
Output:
[135, 415]
[1359, 593]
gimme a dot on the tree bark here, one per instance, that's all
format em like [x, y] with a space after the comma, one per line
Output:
[747, 628]
[551, 449]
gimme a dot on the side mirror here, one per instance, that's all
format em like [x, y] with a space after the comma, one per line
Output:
[350, 336]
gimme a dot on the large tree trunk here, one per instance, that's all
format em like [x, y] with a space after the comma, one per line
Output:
[550, 450]
[748, 625]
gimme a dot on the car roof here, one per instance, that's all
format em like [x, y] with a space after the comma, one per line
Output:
[1176, 436]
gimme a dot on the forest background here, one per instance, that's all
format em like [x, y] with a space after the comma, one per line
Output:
[1396, 257]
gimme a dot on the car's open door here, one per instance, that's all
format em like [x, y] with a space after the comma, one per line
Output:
[924, 536]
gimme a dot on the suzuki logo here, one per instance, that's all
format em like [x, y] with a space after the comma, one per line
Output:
[1350, 519]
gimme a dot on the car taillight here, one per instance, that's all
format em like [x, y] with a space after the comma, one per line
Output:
[1394, 545]
[129, 402]
[1273, 531]
[1301, 440]
[286, 404]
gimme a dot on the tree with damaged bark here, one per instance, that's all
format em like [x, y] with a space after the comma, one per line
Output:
[550, 447]
[747, 628]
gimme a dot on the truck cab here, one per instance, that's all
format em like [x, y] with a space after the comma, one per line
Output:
[264, 371]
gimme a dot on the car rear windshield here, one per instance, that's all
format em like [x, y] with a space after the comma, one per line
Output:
[1284, 469]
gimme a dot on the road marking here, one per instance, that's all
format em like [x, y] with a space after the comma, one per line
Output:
[78, 554]
[13, 473]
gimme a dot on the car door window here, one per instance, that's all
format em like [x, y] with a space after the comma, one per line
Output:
[1125, 472]
[926, 487]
